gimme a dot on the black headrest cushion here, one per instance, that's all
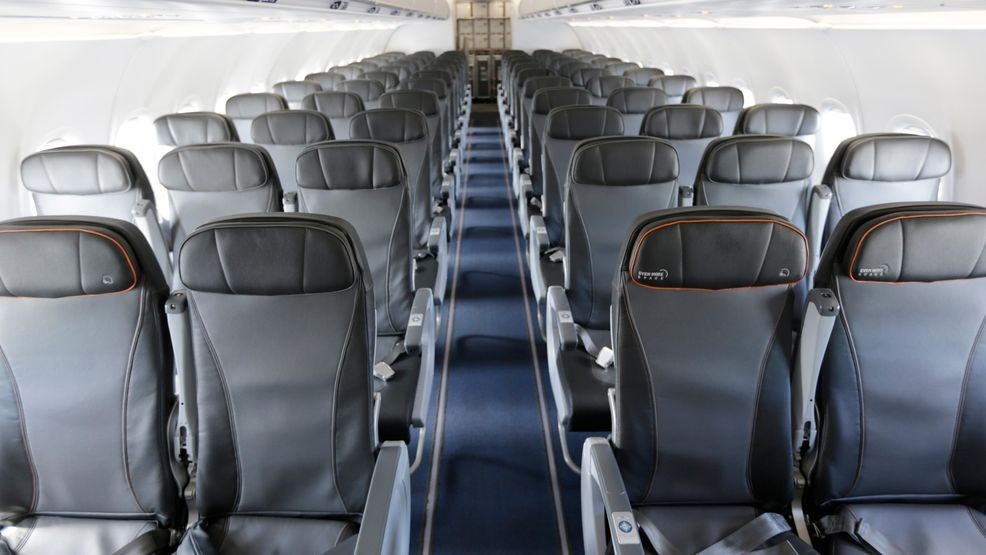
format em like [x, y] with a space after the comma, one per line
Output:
[216, 167]
[191, 128]
[81, 170]
[624, 161]
[716, 248]
[436, 86]
[394, 125]
[342, 165]
[251, 105]
[636, 100]
[334, 104]
[724, 99]
[575, 123]
[367, 89]
[757, 159]
[425, 102]
[291, 127]
[893, 157]
[270, 255]
[535, 84]
[682, 122]
[546, 100]
[786, 120]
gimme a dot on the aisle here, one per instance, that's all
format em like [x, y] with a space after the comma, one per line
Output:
[495, 487]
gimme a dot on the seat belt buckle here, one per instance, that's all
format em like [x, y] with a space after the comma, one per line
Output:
[557, 256]
[383, 371]
[605, 357]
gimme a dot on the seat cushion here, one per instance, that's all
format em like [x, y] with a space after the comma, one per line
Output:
[693, 528]
[71, 536]
[919, 529]
[266, 535]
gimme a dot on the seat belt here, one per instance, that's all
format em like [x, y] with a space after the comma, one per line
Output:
[860, 532]
[152, 542]
[384, 369]
[602, 355]
[745, 540]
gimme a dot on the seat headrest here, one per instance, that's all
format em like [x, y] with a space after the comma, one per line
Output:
[386, 78]
[674, 85]
[346, 165]
[891, 157]
[531, 73]
[55, 257]
[643, 75]
[436, 86]
[546, 100]
[191, 128]
[636, 100]
[82, 170]
[757, 160]
[367, 89]
[216, 167]
[425, 102]
[286, 254]
[326, 79]
[348, 71]
[620, 162]
[532, 86]
[682, 122]
[718, 248]
[620, 68]
[602, 86]
[582, 76]
[291, 127]
[575, 123]
[909, 242]
[251, 105]
[433, 73]
[393, 125]
[334, 104]
[296, 90]
[786, 120]
[724, 99]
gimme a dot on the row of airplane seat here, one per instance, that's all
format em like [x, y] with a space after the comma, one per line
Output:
[696, 286]
[260, 374]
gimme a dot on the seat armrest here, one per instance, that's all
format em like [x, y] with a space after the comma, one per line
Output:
[420, 339]
[818, 212]
[290, 201]
[526, 188]
[821, 310]
[446, 188]
[686, 196]
[179, 327]
[386, 524]
[605, 504]
[537, 244]
[145, 218]
[559, 319]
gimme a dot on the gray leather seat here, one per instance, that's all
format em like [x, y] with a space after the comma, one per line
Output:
[438, 87]
[189, 128]
[369, 91]
[619, 69]
[674, 86]
[784, 120]
[349, 71]
[544, 101]
[900, 397]
[581, 77]
[244, 108]
[96, 180]
[296, 91]
[209, 182]
[338, 106]
[728, 101]
[634, 103]
[365, 183]
[529, 80]
[700, 455]
[285, 134]
[689, 128]
[642, 76]
[365, 66]
[278, 312]
[402, 71]
[569, 69]
[885, 167]
[612, 182]
[328, 80]
[427, 103]
[601, 87]
[528, 141]
[387, 79]
[86, 390]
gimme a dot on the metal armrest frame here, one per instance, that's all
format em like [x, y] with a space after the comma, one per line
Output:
[145, 218]
[386, 524]
[818, 212]
[605, 504]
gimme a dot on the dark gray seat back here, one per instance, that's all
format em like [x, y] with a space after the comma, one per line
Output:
[190, 128]
[759, 171]
[612, 181]
[902, 392]
[619, 69]
[244, 108]
[285, 134]
[885, 167]
[86, 387]
[601, 87]
[564, 129]
[427, 103]
[408, 131]
[675, 86]
[296, 91]
[783, 120]
[642, 76]
[702, 335]
[369, 91]
[349, 72]
[544, 101]
[438, 87]
[338, 106]
[328, 80]
[689, 128]
[728, 101]
[581, 77]
[86, 180]
[528, 90]
[633, 103]
[364, 182]
[387, 79]
[209, 182]
[277, 438]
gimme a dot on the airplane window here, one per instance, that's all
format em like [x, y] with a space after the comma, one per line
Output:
[137, 134]
[906, 123]
[836, 125]
[748, 97]
[63, 140]
[710, 80]
[780, 96]
[666, 66]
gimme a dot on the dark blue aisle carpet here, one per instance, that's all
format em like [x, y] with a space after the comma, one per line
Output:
[500, 484]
